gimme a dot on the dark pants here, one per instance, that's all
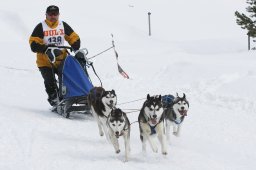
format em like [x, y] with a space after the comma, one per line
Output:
[50, 83]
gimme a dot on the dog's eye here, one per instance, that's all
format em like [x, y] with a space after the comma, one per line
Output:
[119, 124]
[150, 109]
[113, 124]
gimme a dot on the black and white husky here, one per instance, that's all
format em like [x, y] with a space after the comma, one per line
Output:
[119, 125]
[151, 123]
[101, 103]
[175, 114]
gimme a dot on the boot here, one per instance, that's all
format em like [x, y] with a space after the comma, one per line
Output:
[52, 99]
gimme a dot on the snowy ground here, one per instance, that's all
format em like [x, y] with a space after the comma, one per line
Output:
[195, 48]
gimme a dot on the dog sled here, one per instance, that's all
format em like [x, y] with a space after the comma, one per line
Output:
[74, 81]
[74, 85]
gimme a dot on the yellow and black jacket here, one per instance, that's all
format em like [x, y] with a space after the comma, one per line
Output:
[37, 44]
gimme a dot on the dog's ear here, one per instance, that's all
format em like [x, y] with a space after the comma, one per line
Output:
[184, 96]
[113, 91]
[148, 96]
[160, 97]
[177, 95]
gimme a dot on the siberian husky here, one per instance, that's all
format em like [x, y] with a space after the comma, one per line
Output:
[101, 103]
[151, 123]
[119, 125]
[175, 115]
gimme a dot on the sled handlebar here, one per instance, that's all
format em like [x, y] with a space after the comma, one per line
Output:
[66, 47]
[84, 51]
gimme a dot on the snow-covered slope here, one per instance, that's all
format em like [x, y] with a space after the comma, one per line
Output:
[195, 48]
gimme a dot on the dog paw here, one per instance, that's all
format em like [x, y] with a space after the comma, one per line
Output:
[164, 153]
[176, 134]
[101, 134]
[126, 160]
[118, 151]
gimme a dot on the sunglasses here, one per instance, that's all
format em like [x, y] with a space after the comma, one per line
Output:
[53, 13]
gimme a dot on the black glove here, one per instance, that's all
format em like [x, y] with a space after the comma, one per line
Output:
[56, 52]
[80, 56]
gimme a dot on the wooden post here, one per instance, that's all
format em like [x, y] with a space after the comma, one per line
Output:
[249, 45]
[149, 25]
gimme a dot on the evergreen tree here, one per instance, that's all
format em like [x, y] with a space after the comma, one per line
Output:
[248, 22]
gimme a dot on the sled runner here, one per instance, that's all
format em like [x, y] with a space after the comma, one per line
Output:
[74, 86]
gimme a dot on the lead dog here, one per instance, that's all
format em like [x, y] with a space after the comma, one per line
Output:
[175, 113]
[119, 125]
[151, 123]
[101, 103]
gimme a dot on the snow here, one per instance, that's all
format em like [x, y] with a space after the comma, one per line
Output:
[195, 48]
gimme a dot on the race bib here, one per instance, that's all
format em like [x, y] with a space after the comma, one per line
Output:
[54, 35]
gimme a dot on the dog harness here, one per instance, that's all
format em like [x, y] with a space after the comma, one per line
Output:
[174, 118]
[152, 128]
[176, 122]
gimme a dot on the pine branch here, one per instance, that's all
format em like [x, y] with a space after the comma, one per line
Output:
[243, 20]
[248, 23]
